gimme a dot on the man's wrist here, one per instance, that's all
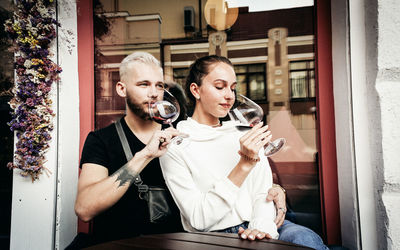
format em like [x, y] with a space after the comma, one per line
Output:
[139, 161]
[144, 154]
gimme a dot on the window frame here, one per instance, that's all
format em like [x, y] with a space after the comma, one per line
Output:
[308, 71]
[247, 75]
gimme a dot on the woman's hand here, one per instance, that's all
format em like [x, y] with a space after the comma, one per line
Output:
[252, 234]
[250, 145]
[253, 141]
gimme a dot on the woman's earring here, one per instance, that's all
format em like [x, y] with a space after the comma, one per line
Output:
[197, 97]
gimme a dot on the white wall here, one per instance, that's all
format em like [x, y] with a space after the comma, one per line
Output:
[68, 126]
[353, 54]
[387, 86]
[42, 212]
[366, 59]
[363, 100]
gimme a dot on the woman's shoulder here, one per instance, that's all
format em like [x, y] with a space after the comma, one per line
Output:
[191, 124]
[183, 124]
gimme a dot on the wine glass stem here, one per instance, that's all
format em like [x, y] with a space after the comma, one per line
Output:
[177, 139]
[272, 145]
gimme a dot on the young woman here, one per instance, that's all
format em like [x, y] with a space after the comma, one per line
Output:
[219, 176]
[214, 186]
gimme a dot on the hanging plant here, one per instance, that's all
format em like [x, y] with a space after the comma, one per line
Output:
[32, 30]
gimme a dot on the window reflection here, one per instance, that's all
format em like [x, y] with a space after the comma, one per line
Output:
[251, 81]
[180, 76]
[109, 105]
[273, 57]
[241, 87]
[302, 79]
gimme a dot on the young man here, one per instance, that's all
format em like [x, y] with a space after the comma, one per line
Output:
[104, 188]
[105, 194]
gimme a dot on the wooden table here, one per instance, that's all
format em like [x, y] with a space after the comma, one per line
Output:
[194, 241]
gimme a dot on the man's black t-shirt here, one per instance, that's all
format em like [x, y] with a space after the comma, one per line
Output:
[129, 216]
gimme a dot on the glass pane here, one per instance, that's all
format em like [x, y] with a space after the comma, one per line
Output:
[298, 65]
[240, 69]
[257, 87]
[180, 76]
[241, 87]
[256, 68]
[180, 73]
[259, 42]
[118, 103]
[312, 84]
[109, 105]
[298, 81]
[181, 81]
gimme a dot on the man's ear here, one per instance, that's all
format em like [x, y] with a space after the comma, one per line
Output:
[194, 88]
[121, 89]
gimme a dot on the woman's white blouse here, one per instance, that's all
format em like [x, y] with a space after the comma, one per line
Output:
[196, 173]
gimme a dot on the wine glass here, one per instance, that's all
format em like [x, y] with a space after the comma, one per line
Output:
[248, 114]
[166, 111]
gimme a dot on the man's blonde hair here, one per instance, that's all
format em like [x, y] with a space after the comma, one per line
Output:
[136, 57]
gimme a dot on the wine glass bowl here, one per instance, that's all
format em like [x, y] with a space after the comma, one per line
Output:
[166, 111]
[248, 113]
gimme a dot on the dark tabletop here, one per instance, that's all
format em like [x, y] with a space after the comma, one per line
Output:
[194, 241]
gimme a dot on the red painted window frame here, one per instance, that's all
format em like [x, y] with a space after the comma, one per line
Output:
[86, 77]
[326, 124]
[325, 108]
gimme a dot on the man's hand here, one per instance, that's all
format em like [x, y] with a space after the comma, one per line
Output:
[158, 143]
[278, 196]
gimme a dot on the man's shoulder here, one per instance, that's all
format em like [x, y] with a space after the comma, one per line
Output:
[101, 146]
[102, 136]
[108, 131]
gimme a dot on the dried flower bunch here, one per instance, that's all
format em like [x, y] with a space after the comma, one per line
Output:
[32, 30]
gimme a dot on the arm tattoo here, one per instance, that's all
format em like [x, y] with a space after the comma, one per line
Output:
[124, 175]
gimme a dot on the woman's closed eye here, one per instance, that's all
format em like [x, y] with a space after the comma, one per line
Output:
[221, 88]
[220, 85]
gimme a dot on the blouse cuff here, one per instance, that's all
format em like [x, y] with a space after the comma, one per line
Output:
[227, 190]
[266, 226]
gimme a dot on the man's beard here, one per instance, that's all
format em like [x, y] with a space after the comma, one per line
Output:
[137, 109]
